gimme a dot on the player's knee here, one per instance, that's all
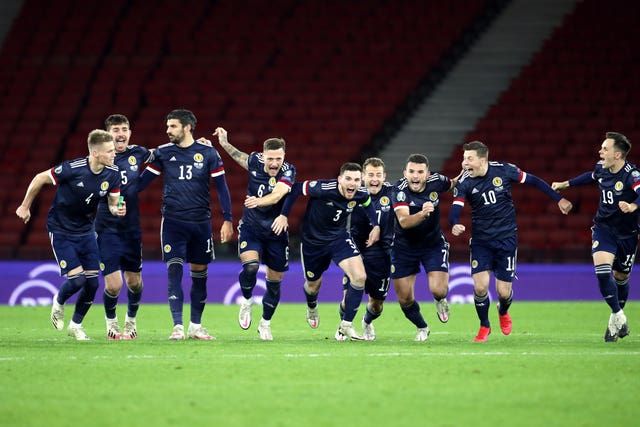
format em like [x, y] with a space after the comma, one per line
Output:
[376, 306]
[92, 281]
[250, 269]
[358, 280]
[136, 288]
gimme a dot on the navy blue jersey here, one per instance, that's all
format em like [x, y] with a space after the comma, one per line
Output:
[623, 186]
[493, 215]
[187, 175]
[327, 210]
[130, 164]
[78, 194]
[428, 232]
[260, 184]
[361, 225]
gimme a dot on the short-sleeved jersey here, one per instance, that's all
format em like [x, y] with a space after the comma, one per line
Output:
[261, 184]
[493, 215]
[360, 225]
[623, 186]
[78, 194]
[187, 178]
[130, 164]
[428, 232]
[327, 211]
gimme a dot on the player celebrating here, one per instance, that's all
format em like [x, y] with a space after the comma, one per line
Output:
[259, 236]
[614, 238]
[325, 237]
[419, 240]
[81, 184]
[377, 257]
[487, 187]
[120, 239]
[188, 166]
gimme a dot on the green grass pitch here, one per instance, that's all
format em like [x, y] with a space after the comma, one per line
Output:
[553, 370]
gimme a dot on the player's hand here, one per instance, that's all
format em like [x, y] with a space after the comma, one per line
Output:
[557, 186]
[205, 141]
[427, 208]
[226, 231]
[221, 133]
[280, 225]
[458, 229]
[565, 206]
[122, 209]
[627, 207]
[374, 236]
[251, 202]
[23, 213]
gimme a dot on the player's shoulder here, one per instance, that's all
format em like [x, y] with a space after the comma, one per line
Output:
[77, 163]
[112, 168]
[464, 178]
[401, 184]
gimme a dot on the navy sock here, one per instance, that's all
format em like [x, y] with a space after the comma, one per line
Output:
[110, 304]
[505, 303]
[341, 310]
[482, 308]
[608, 288]
[270, 299]
[352, 301]
[623, 291]
[312, 299]
[85, 297]
[134, 301]
[412, 312]
[176, 295]
[70, 286]
[247, 278]
[370, 316]
[198, 294]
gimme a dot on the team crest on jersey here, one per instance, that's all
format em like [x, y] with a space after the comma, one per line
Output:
[133, 163]
[497, 181]
[345, 280]
[63, 264]
[474, 263]
[433, 196]
[595, 244]
[272, 181]
[393, 268]
[401, 196]
[351, 204]
[197, 160]
[384, 201]
[101, 266]
[619, 186]
[104, 186]
[166, 248]
[243, 245]
[309, 274]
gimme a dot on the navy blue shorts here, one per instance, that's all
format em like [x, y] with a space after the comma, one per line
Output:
[119, 252]
[497, 256]
[73, 251]
[623, 249]
[317, 258]
[378, 268]
[189, 241]
[273, 250]
[406, 261]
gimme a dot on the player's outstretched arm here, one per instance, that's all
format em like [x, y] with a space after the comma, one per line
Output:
[240, 157]
[24, 210]
[279, 191]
